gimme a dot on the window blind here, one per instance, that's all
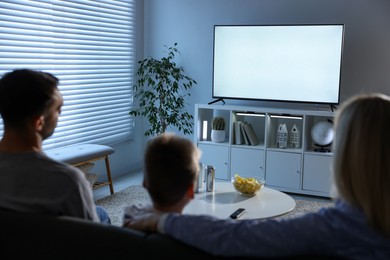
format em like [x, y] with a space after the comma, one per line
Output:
[89, 46]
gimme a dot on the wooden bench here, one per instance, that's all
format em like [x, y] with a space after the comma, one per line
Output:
[80, 154]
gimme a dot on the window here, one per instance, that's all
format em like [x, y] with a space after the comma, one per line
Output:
[89, 46]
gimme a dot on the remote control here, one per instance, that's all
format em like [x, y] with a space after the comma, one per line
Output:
[238, 213]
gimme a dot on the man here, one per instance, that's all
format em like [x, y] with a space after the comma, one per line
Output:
[30, 104]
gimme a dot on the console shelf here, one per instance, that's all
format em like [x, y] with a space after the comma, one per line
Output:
[297, 168]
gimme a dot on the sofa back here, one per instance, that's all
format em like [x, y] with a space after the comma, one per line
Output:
[28, 235]
[37, 236]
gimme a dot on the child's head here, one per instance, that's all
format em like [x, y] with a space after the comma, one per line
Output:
[171, 168]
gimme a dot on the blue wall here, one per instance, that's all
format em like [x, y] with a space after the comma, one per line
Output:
[366, 60]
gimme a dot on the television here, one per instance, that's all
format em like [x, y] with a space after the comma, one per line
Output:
[292, 63]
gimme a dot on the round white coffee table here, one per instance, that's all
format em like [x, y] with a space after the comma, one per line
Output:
[225, 200]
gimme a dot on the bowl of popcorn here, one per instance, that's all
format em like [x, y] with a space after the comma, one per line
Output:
[247, 186]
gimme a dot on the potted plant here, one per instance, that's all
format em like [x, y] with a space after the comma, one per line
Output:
[161, 89]
[218, 129]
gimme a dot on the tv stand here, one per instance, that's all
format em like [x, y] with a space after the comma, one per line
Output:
[215, 101]
[302, 167]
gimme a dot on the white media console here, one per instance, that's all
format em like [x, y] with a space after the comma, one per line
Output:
[292, 169]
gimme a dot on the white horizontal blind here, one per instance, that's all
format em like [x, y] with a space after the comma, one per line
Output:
[89, 46]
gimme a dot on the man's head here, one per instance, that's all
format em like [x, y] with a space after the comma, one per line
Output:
[28, 96]
[171, 167]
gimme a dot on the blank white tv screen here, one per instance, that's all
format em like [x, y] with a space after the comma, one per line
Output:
[296, 63]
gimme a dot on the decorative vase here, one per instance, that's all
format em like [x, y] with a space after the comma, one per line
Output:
[295, 140]
[281, 141]
[217, 136]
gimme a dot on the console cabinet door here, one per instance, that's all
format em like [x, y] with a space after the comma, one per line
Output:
[217, 156]
[283, 169]
[247, 162]
[316, 173]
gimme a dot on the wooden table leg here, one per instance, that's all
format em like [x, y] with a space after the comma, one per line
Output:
[109, 175]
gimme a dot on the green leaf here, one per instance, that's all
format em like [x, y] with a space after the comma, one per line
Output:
[159, 90]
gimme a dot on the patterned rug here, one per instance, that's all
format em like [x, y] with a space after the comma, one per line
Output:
[136, 194]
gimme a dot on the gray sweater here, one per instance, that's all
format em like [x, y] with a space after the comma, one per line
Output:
[33, 182]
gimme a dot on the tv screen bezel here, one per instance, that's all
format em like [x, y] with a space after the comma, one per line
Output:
[222, 97]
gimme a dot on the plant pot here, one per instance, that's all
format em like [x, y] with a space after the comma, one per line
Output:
[217, 136]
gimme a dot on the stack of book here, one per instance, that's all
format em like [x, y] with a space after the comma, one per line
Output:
[244, 133]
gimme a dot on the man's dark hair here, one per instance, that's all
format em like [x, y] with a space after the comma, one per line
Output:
[25, 93]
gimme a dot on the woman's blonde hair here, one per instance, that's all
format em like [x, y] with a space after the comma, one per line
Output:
[361, 164]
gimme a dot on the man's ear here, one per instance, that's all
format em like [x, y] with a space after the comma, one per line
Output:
[145, 184]
[38, 122]
[190, 191]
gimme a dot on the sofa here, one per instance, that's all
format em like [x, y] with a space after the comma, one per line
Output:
[36, 236]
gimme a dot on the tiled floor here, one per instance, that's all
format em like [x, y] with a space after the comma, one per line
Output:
[120, 183]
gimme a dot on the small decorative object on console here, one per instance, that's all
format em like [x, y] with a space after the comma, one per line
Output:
[295, 140]
[218, 130]
[281, 141]
[322, 134]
